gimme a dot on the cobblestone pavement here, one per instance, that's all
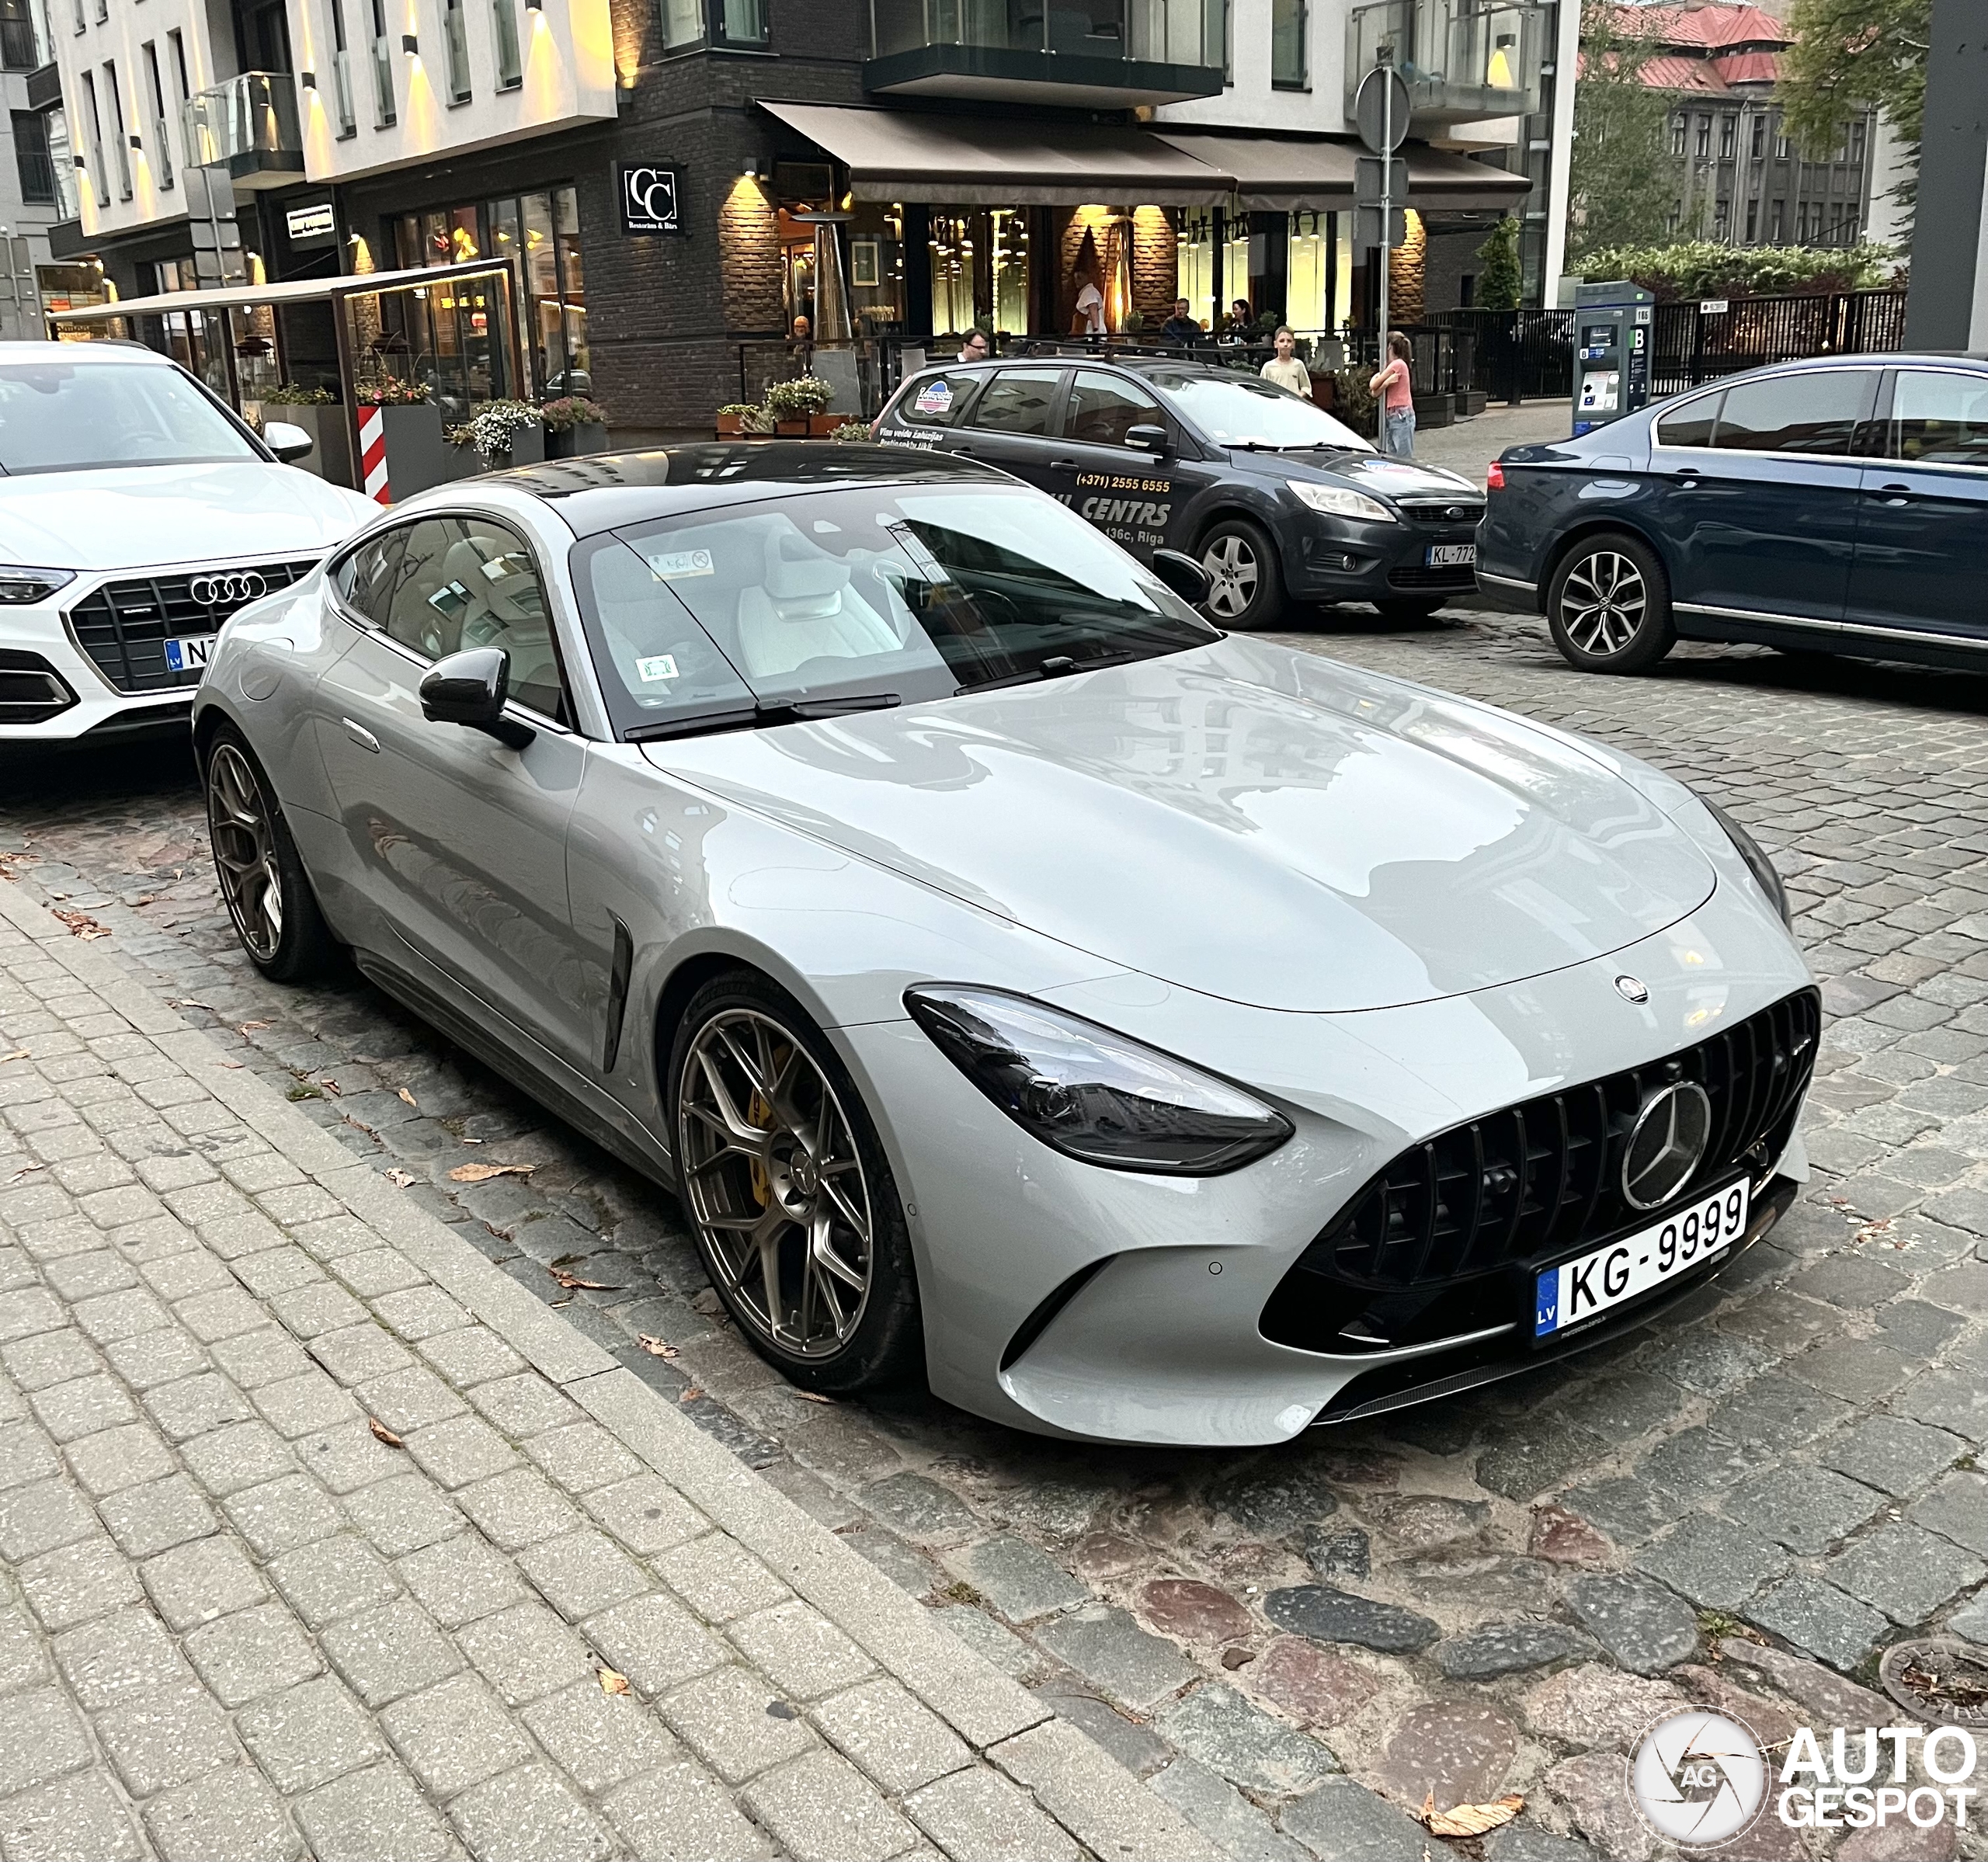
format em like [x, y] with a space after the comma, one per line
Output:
[318, 1532]
[1744, 1504]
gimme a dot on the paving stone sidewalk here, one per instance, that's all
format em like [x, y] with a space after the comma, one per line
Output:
[319, 1535]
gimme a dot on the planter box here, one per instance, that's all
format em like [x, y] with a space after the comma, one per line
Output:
[334, 438]
[1470, 403]
[792, 429]
[820, 425]
[590, 436]
[417, 455]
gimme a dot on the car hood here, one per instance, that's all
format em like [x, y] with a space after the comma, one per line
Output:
[1371, 473]
[1241, 820]
[132, 516]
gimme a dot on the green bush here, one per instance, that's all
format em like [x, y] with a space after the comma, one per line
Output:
[1703, 268]
[289, 395]
[1500, 284]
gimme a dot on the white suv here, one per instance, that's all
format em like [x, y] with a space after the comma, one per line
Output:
[137, 514]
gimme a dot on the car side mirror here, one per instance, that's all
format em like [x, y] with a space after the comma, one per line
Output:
[467, 688]
[287, 442]
[1147, 439]
[1184, 576]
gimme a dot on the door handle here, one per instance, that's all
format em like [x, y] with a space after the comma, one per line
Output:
[1062, 465]
[967, 450]
[361, 736]
[1895, 494]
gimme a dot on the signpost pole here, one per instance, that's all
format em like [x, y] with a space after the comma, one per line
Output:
[1385, 57]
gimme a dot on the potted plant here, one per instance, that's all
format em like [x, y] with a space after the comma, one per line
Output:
[745, 418]
[851, 433]
[417, 456]
[502, 433]
[801, 407]
[319, 413]
[574, 426]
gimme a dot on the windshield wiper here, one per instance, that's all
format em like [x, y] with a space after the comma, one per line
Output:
[740, 718]
[1059, 665]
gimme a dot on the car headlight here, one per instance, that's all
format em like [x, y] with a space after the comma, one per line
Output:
[1092, 1094]
[1338, 500]
[18, 587]
[1757, 862]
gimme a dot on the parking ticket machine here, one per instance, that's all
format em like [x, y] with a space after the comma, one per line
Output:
[1612, 331]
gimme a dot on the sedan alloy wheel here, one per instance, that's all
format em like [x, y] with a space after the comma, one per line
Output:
[774, 1182]
[1602, 603]
[1609, 605]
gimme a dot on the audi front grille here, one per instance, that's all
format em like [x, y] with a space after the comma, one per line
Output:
[1450, 1232]
[124, 625]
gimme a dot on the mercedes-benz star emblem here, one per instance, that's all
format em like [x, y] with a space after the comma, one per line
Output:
[1631, 990]
[233, 590]
[1665, 1144]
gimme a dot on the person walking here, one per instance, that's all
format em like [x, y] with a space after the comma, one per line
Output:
[1391, 390]
[1284, 368]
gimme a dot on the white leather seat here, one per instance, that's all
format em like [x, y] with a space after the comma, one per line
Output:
[804, 609]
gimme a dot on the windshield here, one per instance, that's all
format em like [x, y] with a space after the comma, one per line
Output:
[68, 417]
[834, 598]
[1235, 411]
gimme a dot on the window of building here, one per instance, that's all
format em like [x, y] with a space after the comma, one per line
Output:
[98, 179]
[346, 121]
[62, 163]
[155, 96]
[31, 161]
[1753, 221]
[117, 143]
[20, 49]
[1721, 219]
[1780, 149]
[455, 41]
[1704, 144]
[82, 21]
[691, 25]
[1778, 223]
[1228, 43]
[385, 115]
[1760, 137]
[510, 63]
[1729, 131]
[1678, 124]
[1290, 50]
[1310, 268]
[1857, 134]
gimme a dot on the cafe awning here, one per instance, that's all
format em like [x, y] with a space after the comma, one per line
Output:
[1002, 161]
[289, 290]
[1272, 173]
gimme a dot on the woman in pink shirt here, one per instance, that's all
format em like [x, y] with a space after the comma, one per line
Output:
[1390, 386]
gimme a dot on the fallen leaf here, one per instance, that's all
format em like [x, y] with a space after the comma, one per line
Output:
[382, 1433]
[250, 1027]
[20, 1053]
[813, 1396]
[409, 1097]
[329, 1085]
[690, 1395]
[572, 1282]
[655, 1346]
[82, 925]
[612, 1680]
[400, 1179]
[482, 1173]
[1469, 1819]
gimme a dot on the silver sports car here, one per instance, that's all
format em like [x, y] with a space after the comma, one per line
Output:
[1142, 1033]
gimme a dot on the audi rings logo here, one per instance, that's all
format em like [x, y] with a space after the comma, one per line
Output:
[650, 199]
[233, 590]
[1665, 1144]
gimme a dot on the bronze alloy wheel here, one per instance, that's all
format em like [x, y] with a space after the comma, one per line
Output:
[245, 853]
[774, 1182]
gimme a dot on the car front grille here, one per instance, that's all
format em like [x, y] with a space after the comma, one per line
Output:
[1448, 576]
[123, 626]
[1533, 1182]
[1465, 511]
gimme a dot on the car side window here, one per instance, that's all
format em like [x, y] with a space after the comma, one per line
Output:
[1818, 411]
[1691, 425]
[469, 582]
[364, 579]
[934, 401]
[1103, 408]
[1939, 417]
[1019, 400]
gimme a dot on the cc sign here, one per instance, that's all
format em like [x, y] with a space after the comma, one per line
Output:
[650, 198]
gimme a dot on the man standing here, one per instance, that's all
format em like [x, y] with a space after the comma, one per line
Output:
[975, 348]
[1180, 329]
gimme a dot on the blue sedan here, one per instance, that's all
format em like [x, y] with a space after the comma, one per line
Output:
[1838, 504]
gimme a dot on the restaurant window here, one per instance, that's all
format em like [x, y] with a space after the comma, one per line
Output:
[1311, 272]
[1194, 263]
[1290, 29]
[455, 43]
[980, 269]
[876, 268]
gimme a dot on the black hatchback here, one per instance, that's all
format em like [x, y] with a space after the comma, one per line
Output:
[1273, 497]
[1836, 505]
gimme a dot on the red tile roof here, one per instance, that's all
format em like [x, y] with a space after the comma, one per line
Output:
[1704, 50]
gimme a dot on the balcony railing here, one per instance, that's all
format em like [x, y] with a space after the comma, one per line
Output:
[162, 154]
[247, 125]
[348, 124]
[1465, 61]
[1151, 50]
[385, 115]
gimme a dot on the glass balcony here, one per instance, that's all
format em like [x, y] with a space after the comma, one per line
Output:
[348, 124]
[1103, 53]
[1465, 61]
[247, 125]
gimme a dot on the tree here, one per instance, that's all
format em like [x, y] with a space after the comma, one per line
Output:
[1624, 182]
[1850, 56]
[1500, 283]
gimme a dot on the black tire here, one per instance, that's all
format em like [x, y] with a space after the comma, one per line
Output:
[1608, 605]
[268, 893]
[1403, 611]
[1247, 592]
[729, 1188]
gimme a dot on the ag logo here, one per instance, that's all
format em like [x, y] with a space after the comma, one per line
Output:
[1698, 1779]
[649, 198]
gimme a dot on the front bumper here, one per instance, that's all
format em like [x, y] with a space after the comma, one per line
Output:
[1342, 559]
[1146, 1295]
[51, 691]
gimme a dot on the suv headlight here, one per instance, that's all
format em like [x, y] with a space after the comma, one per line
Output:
[1757, 862]
[19, 587]
[1092, 1094]
[1340, 500]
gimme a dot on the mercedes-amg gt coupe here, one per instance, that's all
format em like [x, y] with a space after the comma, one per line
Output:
[1142, 1033]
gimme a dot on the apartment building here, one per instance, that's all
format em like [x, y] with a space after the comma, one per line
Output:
[29, 200]
[695, 194]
